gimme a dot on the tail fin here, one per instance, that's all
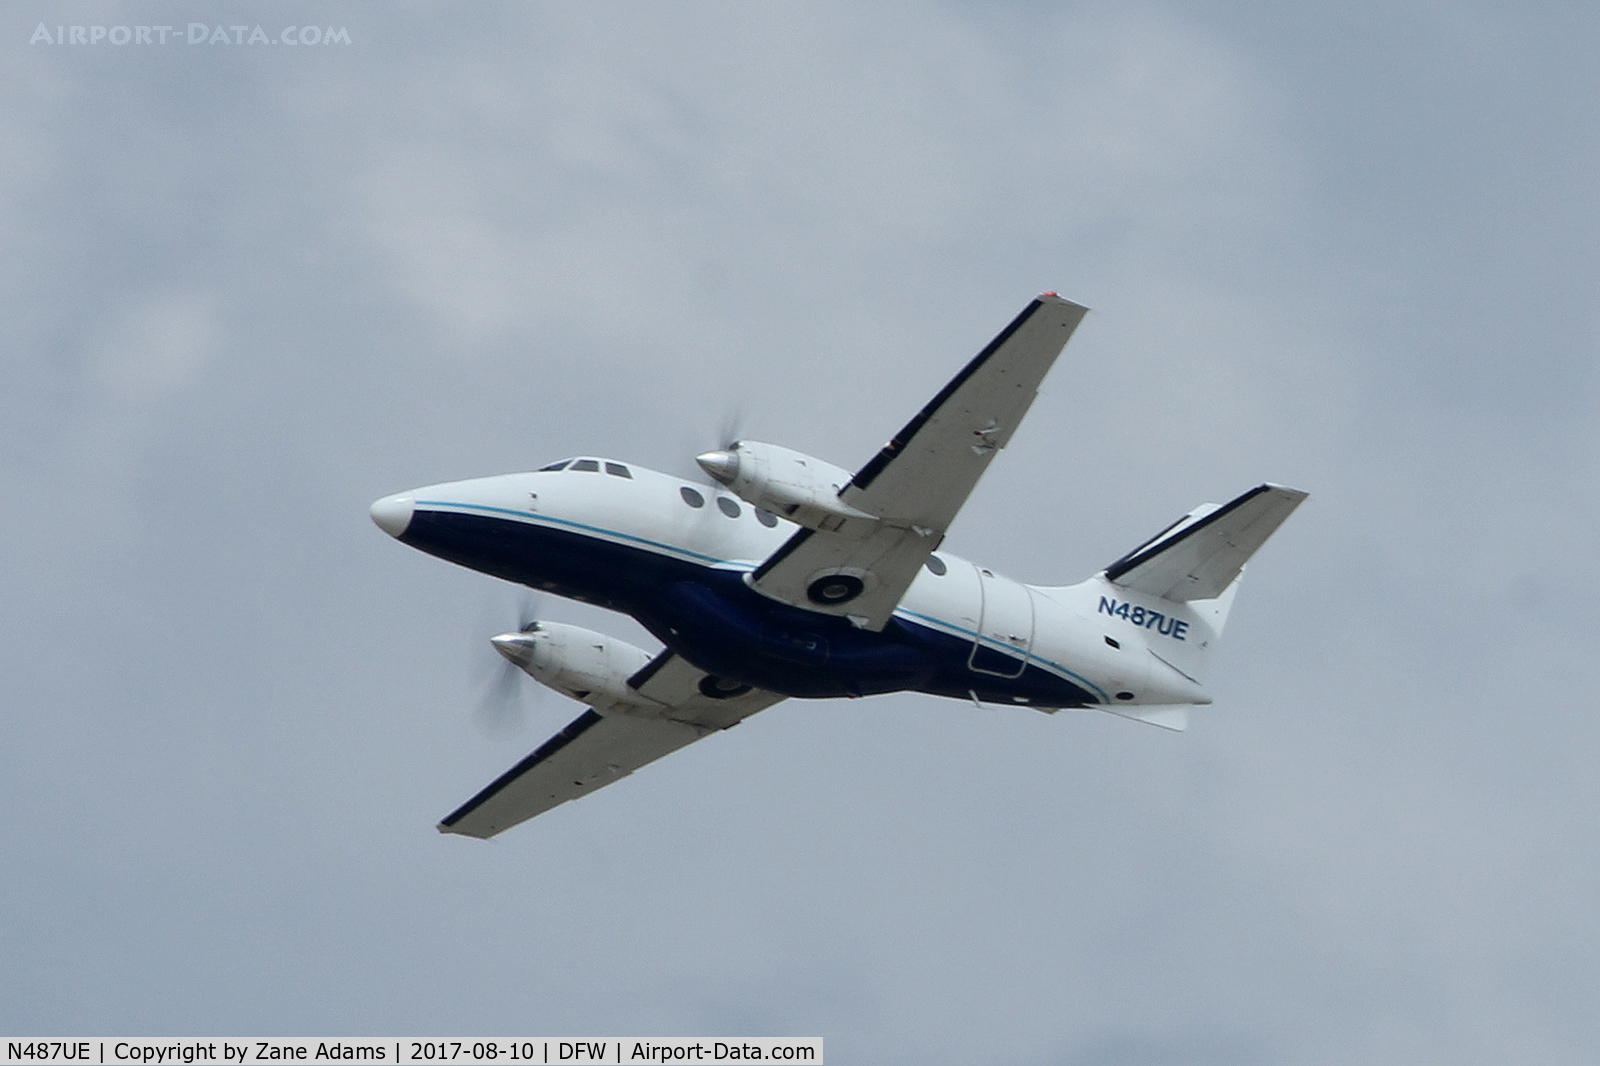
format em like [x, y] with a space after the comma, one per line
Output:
[1200, 556]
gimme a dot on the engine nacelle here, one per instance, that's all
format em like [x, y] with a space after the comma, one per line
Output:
[799, 487]
[590, 667]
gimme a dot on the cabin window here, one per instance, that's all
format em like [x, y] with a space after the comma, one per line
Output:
[936, 564]
[691, 497]
[555, 466]
[727, 507]
[617, 470]
[591, 465]
[766, 518]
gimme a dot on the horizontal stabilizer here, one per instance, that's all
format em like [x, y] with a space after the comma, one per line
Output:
[1200, 555]
[1173, 718]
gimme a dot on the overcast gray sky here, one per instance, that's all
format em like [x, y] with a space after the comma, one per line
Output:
[248, 289]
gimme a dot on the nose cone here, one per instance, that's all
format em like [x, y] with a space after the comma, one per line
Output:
[724, 465]
[516, 647]
[393, 513]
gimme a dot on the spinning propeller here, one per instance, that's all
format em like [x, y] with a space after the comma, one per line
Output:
[728, 432]
[501, 710]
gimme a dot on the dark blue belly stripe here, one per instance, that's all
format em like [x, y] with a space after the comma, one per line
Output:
[713, 619]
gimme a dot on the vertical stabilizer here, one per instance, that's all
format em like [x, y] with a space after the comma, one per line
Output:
[1166, 603]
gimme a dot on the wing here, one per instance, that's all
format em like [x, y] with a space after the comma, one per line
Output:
[597, 749]
[917, 483]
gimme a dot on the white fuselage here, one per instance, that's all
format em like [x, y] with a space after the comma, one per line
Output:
[1123, 648]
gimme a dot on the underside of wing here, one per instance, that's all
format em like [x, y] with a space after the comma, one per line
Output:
[590, 753]
[691, 696]
[597, 749]
[915, 485]
[862, 579]
[928, 470]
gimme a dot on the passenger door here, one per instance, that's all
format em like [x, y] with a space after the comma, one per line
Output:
[1005, 627]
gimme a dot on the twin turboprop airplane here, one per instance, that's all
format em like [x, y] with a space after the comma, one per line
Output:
[791, 577]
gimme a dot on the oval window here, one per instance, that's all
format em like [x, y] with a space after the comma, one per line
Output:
[766, 518]
[727, 507]
[691, 497]
[936, 564]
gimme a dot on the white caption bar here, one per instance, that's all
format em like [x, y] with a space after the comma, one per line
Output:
[393, 1051]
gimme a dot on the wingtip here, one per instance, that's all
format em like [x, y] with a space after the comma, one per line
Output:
[1297, 494]
[458, 832]
[1050, 296]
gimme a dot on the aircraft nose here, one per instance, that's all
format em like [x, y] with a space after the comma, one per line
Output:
[393, 513]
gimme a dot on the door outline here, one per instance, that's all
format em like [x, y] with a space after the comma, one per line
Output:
[987, 584]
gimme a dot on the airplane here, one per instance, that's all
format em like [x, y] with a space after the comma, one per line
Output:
[785, 576]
